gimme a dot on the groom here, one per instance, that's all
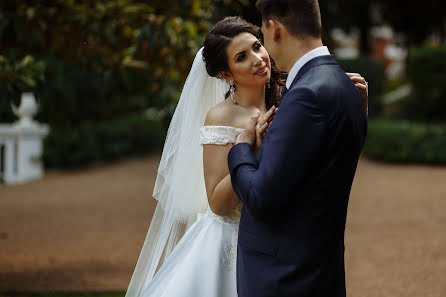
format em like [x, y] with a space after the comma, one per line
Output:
[295, 192]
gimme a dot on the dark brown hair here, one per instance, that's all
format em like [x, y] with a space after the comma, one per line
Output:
[216, 57]
[300, 17]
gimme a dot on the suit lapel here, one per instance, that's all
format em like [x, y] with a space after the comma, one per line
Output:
[321, 60]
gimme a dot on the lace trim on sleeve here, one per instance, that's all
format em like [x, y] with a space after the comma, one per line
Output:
[220, 135]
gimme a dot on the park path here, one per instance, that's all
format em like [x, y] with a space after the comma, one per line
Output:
[83, 230]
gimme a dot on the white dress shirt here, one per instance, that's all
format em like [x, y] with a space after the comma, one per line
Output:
[317, 52]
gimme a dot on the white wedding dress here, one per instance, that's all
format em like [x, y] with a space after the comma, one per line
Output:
[203, 262]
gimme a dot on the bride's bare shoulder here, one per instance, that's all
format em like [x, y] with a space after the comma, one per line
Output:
[221, 114]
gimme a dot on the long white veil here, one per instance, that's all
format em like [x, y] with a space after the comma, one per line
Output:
[179, 186]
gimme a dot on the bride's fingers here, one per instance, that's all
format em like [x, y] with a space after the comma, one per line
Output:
[265, 120]
[357, 78]
[361, 86]
[253, 120]
[360, 80]
[262, 128]
[270, 114]
[351, 73]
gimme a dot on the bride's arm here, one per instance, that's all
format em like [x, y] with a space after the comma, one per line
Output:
[222, 198]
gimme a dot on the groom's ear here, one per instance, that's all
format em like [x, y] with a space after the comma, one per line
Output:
[276, 28]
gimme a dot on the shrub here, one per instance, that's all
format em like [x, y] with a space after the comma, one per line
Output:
[426, 71]
[74, 94]
[94, 142]
[374, 73]
[17, 76]
[404, 141]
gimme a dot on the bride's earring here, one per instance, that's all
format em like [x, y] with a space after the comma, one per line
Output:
[232, 91]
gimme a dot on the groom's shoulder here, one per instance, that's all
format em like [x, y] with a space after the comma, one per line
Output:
[325, 73]
[322, 84]
[324, 77]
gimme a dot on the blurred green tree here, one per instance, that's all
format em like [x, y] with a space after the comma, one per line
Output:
[416, 19]
[346, 14]
[106, 62]
[105, 57]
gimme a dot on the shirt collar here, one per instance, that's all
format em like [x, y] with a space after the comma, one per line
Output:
[319, 51]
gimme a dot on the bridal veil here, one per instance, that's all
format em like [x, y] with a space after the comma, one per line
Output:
[179, 186]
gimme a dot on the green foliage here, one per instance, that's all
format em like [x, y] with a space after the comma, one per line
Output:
[74, 93]
[101, 43]
[94, 142]
[244, 8]
[404, 141]
[413, 19]
[105, 59]
[17, 76]
[22, 75]
[374, 72]
[167, 46]
[427, 74]
[159, 38]
[425, 17]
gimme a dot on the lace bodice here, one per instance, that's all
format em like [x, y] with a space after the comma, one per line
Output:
[220, 135]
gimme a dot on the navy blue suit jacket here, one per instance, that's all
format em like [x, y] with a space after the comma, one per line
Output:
[296, 190]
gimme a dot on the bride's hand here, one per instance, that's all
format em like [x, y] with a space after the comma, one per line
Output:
[363, 88]
[262, 126]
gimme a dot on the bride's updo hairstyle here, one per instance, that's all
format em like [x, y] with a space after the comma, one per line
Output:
[216, 57]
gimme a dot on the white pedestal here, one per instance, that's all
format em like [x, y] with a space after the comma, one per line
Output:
[21, 150]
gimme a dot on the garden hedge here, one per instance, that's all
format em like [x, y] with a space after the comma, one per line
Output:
[95, 142]
[404, 141]
[426, 69]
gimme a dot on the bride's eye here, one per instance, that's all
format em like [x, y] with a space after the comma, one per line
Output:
[257, 46]
[240, 57]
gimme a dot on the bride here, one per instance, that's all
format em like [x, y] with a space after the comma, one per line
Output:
[193, 186]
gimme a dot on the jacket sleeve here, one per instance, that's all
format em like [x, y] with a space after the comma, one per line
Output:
[294, 139]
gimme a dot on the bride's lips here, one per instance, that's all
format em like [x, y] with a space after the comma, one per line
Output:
[262, 71]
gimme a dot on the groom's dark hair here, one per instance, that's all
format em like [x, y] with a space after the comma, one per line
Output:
[300, 17]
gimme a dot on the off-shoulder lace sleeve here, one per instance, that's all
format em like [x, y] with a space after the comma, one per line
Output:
[220, 135]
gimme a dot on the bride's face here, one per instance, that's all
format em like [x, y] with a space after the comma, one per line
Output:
[248, 61]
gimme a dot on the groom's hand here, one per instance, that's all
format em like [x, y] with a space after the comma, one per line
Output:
[249, 134]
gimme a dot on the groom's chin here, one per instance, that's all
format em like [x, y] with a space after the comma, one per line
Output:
[276, 57]
[279, 66]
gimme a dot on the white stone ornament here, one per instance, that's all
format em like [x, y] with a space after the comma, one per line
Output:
[21, 144]
[27, 109]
